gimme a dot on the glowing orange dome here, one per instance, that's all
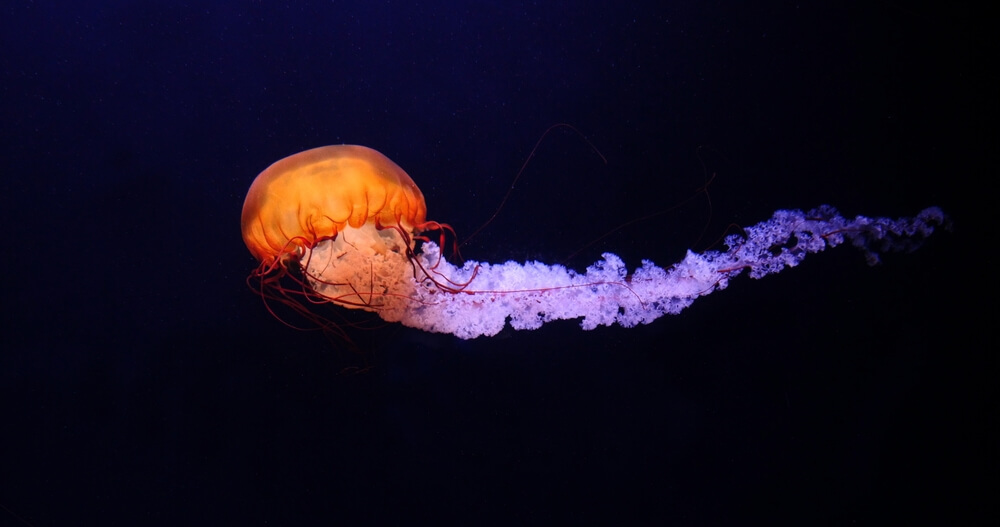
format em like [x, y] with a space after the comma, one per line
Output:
[311, 196]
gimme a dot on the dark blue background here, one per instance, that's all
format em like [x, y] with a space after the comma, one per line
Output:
[142, 382]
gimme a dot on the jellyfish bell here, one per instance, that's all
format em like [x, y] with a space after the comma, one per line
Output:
[347, 218]
[340, 220]
[314, 195]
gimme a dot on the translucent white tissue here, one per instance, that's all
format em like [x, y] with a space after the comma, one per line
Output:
[369, 269]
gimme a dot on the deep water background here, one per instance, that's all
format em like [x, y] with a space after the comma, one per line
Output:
[143, 383]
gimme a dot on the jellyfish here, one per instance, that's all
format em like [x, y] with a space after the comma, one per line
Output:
[345, 221]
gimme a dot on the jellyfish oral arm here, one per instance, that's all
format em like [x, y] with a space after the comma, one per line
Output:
[530, 294]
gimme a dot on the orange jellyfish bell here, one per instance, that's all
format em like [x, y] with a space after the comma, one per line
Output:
[313, 195]
[334, 224]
